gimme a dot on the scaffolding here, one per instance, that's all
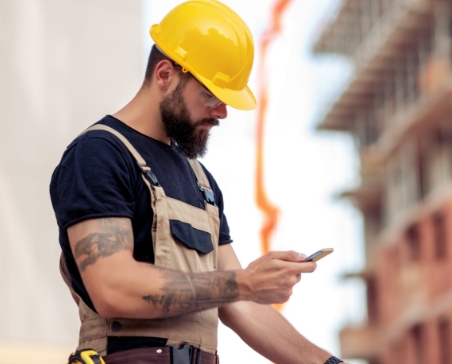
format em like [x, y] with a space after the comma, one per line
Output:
[398, 106]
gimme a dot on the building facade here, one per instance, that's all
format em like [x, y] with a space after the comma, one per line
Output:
[398, 106]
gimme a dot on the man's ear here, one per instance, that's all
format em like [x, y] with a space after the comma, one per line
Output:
[165, 74]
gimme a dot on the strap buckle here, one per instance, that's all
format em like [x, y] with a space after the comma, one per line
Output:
[209, 197]
[185, 354]
[150, 176]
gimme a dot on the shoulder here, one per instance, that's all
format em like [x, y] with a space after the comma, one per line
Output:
[96, 177]
[98, 147]
[95, 157]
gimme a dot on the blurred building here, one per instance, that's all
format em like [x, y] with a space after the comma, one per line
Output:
[398, 106]
[64, 64]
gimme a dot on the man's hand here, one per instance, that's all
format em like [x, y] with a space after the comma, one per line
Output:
[270, 279]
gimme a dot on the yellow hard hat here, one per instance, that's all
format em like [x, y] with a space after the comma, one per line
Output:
[214, 44]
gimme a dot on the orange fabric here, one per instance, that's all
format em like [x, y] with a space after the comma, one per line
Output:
[270, 211]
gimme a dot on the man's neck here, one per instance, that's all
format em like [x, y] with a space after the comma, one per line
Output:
[142, 114]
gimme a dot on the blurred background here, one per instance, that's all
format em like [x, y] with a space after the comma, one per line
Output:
[357, 156]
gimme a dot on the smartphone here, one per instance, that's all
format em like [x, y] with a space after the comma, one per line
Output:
[319, 255]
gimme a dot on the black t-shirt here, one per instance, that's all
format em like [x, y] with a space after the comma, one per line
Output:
[98, 177]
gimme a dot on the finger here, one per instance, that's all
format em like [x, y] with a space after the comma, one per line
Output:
[302, 267]
[288, 256]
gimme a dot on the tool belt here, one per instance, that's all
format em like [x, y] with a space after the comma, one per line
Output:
[162, 355]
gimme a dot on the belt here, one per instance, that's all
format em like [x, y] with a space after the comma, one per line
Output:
[160, 355]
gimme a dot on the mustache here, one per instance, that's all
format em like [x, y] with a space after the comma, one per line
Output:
[207, 121]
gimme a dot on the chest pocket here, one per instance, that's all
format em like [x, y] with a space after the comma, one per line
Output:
[192, 238]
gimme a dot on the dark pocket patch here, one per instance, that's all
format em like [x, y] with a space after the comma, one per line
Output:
[191, 237]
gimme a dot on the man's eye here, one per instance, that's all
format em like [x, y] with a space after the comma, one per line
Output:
[205, 94]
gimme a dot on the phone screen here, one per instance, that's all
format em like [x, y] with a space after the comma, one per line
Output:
[312, 256]
[319, 255]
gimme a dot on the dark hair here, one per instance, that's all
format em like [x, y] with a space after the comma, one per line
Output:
[156, 56]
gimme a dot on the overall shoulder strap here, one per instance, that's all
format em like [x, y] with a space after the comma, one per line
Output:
[150, 176]
[199, 173]
[203, 182]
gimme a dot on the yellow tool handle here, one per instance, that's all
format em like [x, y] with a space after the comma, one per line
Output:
[85, 356]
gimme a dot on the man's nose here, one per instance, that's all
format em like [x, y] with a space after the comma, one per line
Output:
[220, 112]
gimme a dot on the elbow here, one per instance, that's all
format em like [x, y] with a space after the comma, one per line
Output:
[106, 309]
[109, 303]
[113, 304]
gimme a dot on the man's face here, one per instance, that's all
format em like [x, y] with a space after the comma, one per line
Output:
[188, 136]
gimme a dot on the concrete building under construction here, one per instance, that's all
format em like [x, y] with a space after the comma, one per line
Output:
[398, 106]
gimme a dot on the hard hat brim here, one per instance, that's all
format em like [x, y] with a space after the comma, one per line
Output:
[238, 99]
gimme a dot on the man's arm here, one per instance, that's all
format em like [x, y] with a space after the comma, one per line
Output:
[119, 286]
[263, 328]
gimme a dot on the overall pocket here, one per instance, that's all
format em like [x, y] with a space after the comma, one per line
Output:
[192, 238]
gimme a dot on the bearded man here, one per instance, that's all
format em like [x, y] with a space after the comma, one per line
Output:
[146, 249]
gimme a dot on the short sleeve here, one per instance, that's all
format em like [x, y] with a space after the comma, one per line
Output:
[94, 179]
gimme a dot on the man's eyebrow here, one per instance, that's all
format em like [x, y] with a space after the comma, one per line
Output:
[202, 85]
[178, 65]
[210, 92]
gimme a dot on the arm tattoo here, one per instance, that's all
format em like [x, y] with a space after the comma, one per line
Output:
[190, 292]
[114, 235]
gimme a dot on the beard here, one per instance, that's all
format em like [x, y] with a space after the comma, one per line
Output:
[181, 128]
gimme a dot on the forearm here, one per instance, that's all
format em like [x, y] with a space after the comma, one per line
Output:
[270, 334]
[146, 291]
[187, 292]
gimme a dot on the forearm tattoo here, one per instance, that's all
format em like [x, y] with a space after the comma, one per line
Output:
[114, 235]
[189, 292]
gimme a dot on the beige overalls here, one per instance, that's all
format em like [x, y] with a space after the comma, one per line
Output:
[199, 328]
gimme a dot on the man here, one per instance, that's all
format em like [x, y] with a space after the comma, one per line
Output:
[146, 245]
